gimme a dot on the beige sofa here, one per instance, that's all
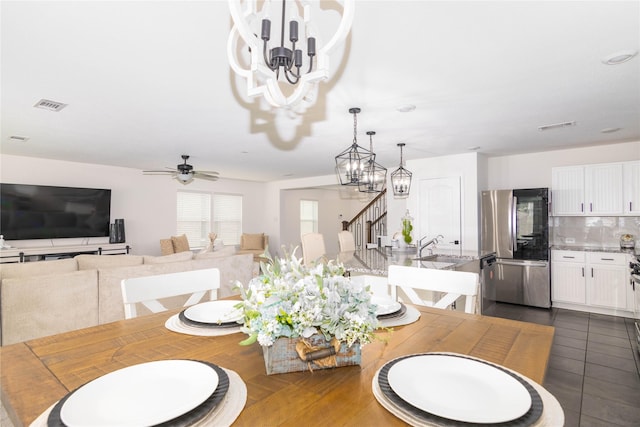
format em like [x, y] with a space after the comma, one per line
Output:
[49, 297]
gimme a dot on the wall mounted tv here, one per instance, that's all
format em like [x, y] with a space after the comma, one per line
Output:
[46, 212]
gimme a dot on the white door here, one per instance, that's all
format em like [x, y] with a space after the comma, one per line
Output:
[439, 213]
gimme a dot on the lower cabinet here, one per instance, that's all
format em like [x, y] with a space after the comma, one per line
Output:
[590, 279]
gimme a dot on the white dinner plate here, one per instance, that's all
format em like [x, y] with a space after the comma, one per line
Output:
[459, 389]
[145, 394]
[385, 305]
[214, 312]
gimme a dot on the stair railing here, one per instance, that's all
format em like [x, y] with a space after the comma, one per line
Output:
[370, 222]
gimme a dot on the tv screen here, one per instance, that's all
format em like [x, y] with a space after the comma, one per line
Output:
[46, 212]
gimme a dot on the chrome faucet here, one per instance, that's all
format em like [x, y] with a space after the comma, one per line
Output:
[430, 242]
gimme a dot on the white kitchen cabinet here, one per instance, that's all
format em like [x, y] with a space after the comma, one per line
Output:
[588, 190]
[567, 190]
[631, 188]
[607, 279]
[590, 279]
[568, 280]
[603, 189]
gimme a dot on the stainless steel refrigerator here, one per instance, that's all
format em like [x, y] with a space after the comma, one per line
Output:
[515, 225]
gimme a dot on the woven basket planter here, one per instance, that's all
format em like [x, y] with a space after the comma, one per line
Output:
[283, 356]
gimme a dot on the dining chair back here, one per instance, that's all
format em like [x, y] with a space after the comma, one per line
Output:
[149, 290]
[346, 241]
[313, 248]
[378, 285]
[413, 282]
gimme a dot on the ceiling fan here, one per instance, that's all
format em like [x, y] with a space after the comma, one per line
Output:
[184, 172]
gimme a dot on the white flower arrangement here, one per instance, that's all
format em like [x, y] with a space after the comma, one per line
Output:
[292, 300]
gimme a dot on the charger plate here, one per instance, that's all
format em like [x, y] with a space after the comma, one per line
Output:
[174, 324]
[453, 413]
[175, 404]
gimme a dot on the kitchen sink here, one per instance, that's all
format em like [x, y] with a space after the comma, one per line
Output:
[443, 258]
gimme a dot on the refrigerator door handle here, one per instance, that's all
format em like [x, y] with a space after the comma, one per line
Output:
[514, 226]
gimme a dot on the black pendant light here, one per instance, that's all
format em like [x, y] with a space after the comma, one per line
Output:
[401, 178]
[351, 163]
[374, 177]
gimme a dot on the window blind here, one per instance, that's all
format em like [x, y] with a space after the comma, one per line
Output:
[227, 217]
[194, 217]
[308, 216]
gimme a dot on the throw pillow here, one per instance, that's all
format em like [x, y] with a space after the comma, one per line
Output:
[166, 246]
[180, 243]
[253, 241]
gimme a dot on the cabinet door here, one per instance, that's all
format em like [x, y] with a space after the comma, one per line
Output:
[631, 188]
[603, 189]
[567, 192]
[606, 286]
[568, 282]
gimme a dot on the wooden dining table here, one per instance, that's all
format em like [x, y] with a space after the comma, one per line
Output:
[37, 373]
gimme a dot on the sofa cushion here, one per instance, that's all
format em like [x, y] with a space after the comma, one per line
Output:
[92, 262]
[252, 241]
[180, 256]
[180, 243]
[34, 307]
[26, 269]
[225, 251]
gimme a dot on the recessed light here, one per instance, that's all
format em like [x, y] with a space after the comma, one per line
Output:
[610, 130]
[406, 108]
[18, 138]
[619, 57]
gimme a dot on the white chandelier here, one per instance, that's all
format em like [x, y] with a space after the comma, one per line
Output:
[270, 67]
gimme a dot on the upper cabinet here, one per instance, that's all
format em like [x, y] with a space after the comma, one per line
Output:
[631, 188]
[596, 190]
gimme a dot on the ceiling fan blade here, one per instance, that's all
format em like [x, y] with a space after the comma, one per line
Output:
[206, 176]
[159, 172]
[207, 172]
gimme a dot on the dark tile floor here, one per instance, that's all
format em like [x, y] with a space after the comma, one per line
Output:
[594, 368]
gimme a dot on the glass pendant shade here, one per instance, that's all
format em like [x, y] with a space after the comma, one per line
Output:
[401, 179]
[352, 162]
[374, 176]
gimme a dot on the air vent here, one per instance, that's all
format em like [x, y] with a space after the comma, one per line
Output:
[18, 138]
[557, 126]
[47, 104]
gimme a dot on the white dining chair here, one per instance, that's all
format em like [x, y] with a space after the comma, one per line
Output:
[453, 284]
[313, 249]
[378, 285]
[346, 241]
[149, 290]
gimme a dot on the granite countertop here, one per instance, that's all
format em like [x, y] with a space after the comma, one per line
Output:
[376, 261]
[609, 249]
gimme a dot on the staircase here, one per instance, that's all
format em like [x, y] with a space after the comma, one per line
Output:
[370, 222]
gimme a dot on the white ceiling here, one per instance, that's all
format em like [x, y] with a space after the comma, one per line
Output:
[146, 81]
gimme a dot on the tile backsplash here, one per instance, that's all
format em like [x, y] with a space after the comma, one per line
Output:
[592, 231]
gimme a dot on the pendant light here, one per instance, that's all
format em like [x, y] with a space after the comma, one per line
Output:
[374, 177]
[351, 163]
[401, 178]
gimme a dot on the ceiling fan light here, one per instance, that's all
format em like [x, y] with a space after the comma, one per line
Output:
[184, 178]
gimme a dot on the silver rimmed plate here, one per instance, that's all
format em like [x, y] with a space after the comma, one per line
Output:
[459, 389]
[145, 394]
[214, 313]
[385, 305]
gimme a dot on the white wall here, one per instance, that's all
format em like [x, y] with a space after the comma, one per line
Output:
[534, 170]
[147, 203]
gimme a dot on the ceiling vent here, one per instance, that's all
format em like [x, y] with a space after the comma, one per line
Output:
[47, 104]
[557, 126]
[18, 138]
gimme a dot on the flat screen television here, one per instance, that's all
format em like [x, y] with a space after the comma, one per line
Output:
[47, 212]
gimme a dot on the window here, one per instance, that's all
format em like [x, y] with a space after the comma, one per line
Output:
[308, 216]
[194, 217]
[227, 217]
